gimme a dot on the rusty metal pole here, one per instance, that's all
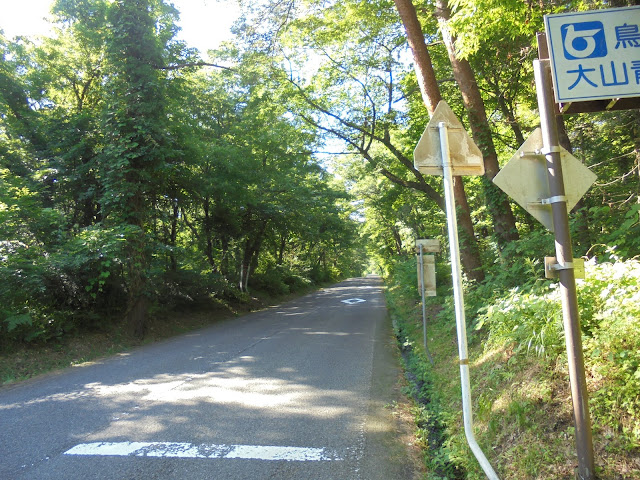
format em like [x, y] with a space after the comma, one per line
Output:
[564, 256]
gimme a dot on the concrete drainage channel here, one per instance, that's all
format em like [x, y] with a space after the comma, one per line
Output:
[429, 419]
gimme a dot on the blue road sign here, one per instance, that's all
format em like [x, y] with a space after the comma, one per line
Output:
[595, 55]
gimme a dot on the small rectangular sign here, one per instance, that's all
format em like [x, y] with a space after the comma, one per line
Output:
[595, 55]
[429, 267]
[429, 245]
[551, 268]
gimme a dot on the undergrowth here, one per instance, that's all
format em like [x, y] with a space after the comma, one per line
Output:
[520, 387]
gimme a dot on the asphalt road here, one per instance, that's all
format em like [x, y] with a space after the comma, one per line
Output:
[297, 391]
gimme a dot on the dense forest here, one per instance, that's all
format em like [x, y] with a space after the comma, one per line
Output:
[138, 175]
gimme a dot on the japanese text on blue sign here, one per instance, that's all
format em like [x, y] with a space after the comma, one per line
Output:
[595, 55]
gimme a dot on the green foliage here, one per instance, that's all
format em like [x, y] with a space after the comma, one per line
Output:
[280, 280]
[126, 176]
[531, 319]
[53, 292]
[621, 230]
[521, 262]
[518, 369]
[431, 415]
[610, 301]
[186, 288]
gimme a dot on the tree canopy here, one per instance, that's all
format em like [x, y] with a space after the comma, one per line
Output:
[133, 176]
[164, 172]
[114, 131]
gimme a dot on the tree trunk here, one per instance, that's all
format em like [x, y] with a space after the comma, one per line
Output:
[281, 249]
[503, 219]
[224, 258]
[430, 91]
[208, 233]
[137, 316]
[563, 136]
[511, 119]
[469, 250]
[252, 249]
[173, 236]
[397, 240]
[244, 277]
[137, 264]
[134, 129]
[422, 59]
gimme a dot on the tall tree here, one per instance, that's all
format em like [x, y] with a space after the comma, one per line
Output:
[497, 201]
[135, 122]
[127, 175]
[430, 90]
[354, 95]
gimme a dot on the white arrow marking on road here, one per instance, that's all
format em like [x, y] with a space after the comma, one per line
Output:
[352, 301]
[190, 450]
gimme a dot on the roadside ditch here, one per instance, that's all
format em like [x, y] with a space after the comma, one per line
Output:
[431, 427]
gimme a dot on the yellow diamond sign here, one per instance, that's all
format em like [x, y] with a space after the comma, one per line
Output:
[524, 178]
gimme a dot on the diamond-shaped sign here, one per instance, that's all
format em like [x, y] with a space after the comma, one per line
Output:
[466, 157]
[524, 178]
[353, 301]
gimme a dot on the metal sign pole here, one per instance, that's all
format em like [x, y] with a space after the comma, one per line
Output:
[456, 271]
[564, 256]
[424, 311]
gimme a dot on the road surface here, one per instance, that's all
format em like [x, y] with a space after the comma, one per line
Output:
[297, 391]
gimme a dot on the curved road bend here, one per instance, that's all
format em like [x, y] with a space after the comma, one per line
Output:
[296, 391]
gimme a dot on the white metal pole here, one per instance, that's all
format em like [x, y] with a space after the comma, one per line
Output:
[424, 308]
[458, 298]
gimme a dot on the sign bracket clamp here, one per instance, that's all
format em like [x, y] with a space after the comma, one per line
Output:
[561, 266]
[543, 202]
[542, 152]
[449, 127]
[552, 267]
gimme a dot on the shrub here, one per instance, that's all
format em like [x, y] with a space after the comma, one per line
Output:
[611, 323]
[531, 320]
[279, 280]
[271, 282]
[609, 300]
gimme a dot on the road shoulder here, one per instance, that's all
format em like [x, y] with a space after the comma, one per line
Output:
[390, 451]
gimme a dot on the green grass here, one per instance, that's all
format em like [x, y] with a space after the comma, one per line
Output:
[520, 387]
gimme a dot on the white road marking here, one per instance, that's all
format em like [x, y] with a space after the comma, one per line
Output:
[352, 301]
[190, 450]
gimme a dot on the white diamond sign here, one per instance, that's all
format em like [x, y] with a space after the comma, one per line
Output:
[353, 301]
[466, 157]
[524, 178]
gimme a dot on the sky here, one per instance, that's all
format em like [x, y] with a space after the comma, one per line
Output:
[205, 23]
